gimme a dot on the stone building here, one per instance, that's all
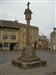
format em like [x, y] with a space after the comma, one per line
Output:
[53, 39]
[33, 36]
[9, 35]
[13, 35]
[43, 43]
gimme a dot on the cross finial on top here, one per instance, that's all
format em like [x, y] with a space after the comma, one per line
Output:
[28, 4]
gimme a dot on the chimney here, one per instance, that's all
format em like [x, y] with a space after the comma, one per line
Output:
[54, 29]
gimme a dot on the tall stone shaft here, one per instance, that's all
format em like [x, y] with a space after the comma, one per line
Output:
[28, 13]
[28, 59]
[28, 35]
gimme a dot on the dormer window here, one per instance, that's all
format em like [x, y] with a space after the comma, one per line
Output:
[13, 30]
[5, 29]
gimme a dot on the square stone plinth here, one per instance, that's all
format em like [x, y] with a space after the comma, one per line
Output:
[26, 65]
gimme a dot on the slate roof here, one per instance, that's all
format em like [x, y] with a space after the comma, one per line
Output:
[42, 38]
[25, 25]
[9, 24]
[13, 24]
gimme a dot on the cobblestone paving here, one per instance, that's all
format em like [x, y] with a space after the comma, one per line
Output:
[53, 73]
[10, 69]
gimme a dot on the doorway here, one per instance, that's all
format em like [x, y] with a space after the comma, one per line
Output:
[35, 45]
[0, 46]
[13, 46]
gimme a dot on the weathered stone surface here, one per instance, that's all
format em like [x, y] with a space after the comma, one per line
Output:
[27, 65]
[28, 59]
[9, 69]
[28, 51]
[28, 54]
[52, 73]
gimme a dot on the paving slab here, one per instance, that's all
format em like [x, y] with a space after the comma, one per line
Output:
[10, 69]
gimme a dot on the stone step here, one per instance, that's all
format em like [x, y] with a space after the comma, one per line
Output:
[32, 64]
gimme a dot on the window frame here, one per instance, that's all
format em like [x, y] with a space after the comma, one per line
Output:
[13, 30]
[5, 29]
[5, 36]
[24, 30]
[14, 37]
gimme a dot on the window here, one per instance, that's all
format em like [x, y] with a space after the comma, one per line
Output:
[39, 43]
[2, 45]
[5, 29]
[8, 45]
[31, 31]
[23, 30]
[13, 30]
[13, 36]
[16, 45]
[5, 44]
[5, 36]
[53, 40]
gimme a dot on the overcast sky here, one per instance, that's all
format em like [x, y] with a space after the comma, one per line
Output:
[43, 13]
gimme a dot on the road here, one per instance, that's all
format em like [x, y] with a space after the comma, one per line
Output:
[7, 56]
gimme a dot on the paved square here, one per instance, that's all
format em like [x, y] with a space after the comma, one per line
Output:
[7, 68]
[10, 69]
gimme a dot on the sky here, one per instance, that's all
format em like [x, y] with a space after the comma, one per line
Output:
[43, 16]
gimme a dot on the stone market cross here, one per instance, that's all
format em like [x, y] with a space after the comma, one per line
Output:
[28, 58]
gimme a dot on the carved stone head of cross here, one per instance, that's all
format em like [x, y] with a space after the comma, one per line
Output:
[28, 5]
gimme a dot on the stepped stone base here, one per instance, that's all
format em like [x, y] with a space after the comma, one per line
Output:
[28, 59]
[32, 64]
